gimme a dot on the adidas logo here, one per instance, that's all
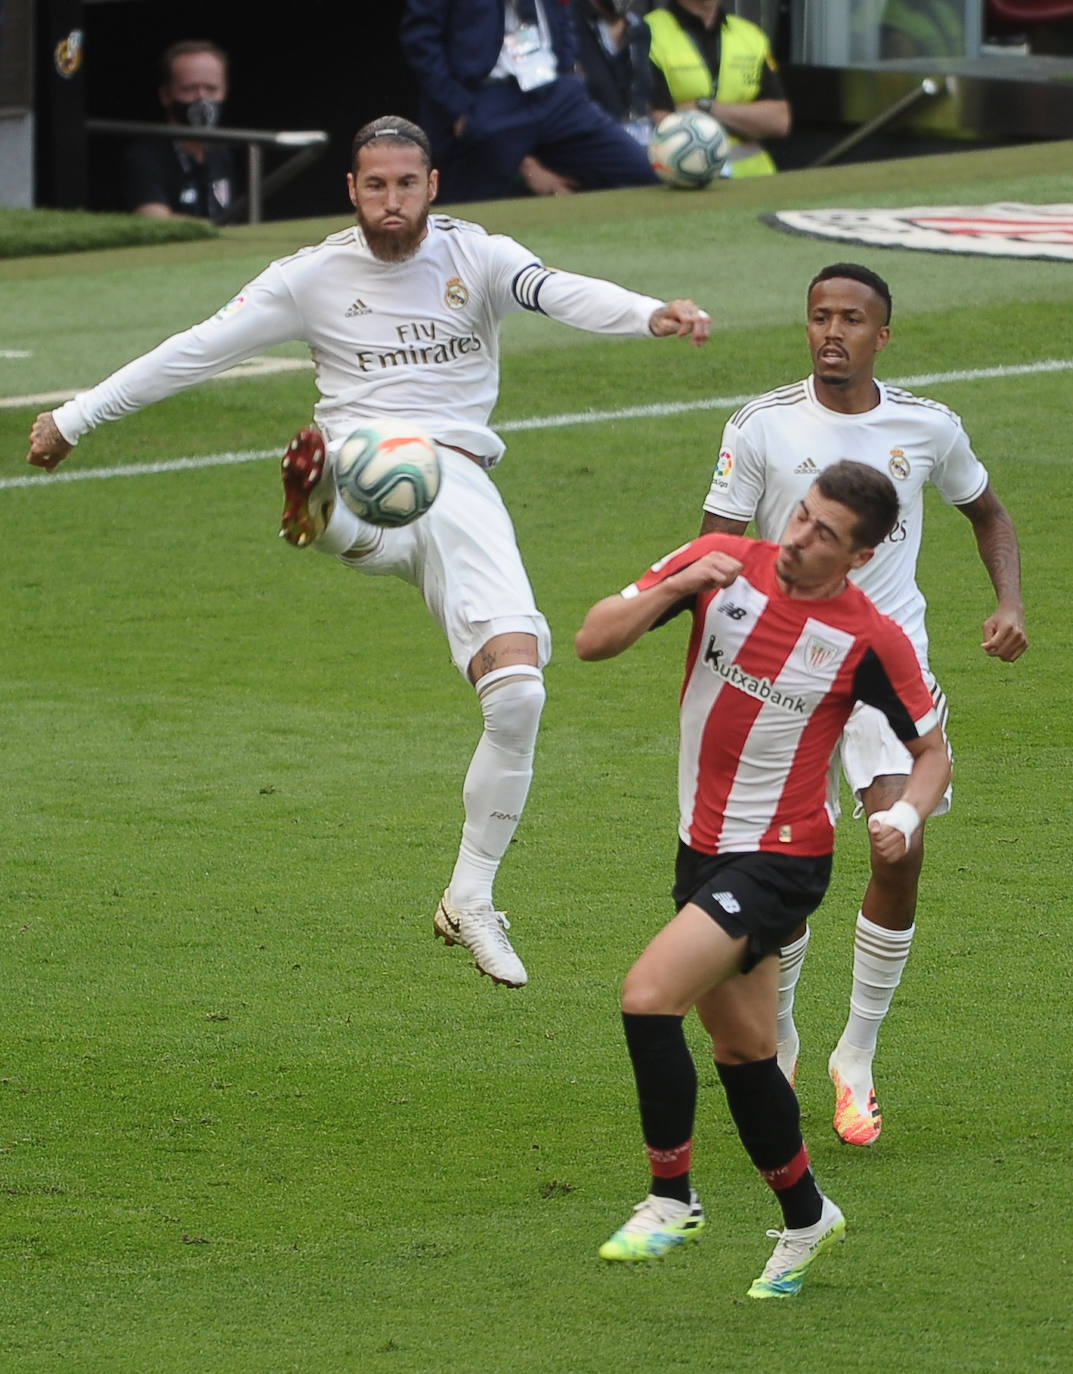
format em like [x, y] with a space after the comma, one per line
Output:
[808, 468]
[358, 308]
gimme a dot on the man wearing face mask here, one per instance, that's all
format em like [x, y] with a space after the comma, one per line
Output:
[167, 177]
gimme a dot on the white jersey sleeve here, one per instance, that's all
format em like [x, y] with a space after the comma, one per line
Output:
[958, 473]
[601, 307]
[738, 479]
[262, 314]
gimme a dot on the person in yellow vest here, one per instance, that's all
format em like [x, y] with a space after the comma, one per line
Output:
[703, 58]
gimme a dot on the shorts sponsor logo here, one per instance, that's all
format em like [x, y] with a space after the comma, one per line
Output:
[1006, 229]
[728, 902]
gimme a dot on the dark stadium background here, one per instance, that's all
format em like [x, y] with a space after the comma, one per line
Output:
[317, 64]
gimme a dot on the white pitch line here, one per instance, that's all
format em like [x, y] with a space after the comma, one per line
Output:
[260, 366]
[582, 417]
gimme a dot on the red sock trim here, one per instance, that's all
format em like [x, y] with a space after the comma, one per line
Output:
[670, 1163]
[788, 1174]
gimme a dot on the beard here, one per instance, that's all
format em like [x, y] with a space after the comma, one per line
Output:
[394, 245]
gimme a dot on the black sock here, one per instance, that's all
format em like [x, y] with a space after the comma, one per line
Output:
[768, 1118]
[667, 1093]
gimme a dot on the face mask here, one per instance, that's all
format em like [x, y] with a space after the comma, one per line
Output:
[198, 114]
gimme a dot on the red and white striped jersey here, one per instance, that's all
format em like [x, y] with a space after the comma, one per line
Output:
[770, 681]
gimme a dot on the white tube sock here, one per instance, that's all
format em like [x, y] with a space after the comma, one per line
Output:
[879, 959]
[497, 782]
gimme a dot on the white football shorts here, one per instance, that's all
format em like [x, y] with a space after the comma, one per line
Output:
[869, 749]
[464, 559]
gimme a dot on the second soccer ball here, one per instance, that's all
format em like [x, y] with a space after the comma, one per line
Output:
[688, 149]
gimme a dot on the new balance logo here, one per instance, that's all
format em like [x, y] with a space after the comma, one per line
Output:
[734, 612]
[728, 902]
[807, 469]
[358, 308]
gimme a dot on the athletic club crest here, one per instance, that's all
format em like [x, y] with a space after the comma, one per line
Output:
[457, 293]
[818, 654]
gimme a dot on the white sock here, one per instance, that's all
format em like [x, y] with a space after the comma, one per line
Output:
[879, 959]
[345, 532]
[497, 782]
[791, 958]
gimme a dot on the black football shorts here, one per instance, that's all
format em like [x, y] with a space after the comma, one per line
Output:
[763, 897]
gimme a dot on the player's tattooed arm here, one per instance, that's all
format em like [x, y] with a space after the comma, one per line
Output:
[996, 539]
[48, 447]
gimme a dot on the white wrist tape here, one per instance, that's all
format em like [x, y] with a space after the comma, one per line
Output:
[901, 816]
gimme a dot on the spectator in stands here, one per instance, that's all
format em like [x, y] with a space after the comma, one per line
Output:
[165, 177]
[613, 45]
[703, 58]
[503, 106]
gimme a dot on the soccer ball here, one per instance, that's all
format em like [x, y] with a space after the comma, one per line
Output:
[388, 472]
[688, 149]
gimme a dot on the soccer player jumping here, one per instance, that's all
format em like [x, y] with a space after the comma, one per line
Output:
[401, 314]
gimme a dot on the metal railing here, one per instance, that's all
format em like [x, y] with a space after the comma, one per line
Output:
[310, 143]
[927, 89]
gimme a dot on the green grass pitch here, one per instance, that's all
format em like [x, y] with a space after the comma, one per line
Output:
[252, 1118]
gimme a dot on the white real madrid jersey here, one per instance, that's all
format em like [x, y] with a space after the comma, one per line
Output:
[774, 447]
[416, 339]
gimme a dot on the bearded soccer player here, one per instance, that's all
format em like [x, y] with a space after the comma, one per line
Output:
[781, 648]
[401, 314]
[771, 450]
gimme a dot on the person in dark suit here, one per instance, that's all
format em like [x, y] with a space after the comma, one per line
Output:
[613, 46]
[503, 105]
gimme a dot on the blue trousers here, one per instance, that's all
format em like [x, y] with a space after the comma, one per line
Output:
[557, 123]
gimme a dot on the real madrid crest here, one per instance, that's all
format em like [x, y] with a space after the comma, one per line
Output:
[457, 293]
[899, 464]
